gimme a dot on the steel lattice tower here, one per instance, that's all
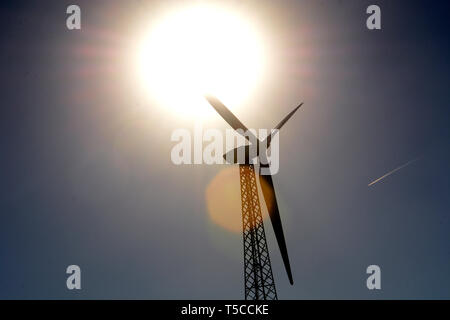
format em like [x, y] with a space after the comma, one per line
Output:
[258, 276]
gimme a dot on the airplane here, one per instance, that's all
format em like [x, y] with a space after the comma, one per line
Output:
[265, 179]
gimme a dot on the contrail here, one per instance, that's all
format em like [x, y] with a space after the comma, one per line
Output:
[391, 172]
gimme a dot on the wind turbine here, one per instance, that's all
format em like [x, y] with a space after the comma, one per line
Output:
[258, 273]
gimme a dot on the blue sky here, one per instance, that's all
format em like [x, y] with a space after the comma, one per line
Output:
[86, 176]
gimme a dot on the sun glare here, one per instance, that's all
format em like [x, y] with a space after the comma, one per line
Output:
[200, 50]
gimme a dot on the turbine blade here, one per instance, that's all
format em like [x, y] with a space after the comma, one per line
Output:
[288, 117]
[269, 196]
[278, 127]
[229, 117]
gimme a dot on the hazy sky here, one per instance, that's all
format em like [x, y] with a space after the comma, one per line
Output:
[86, 175]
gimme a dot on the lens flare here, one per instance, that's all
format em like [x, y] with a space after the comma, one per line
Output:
[223, 199]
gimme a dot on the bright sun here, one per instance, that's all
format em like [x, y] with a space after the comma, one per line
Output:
[201, 50]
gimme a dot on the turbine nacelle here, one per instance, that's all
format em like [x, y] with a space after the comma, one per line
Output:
[248, 154]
